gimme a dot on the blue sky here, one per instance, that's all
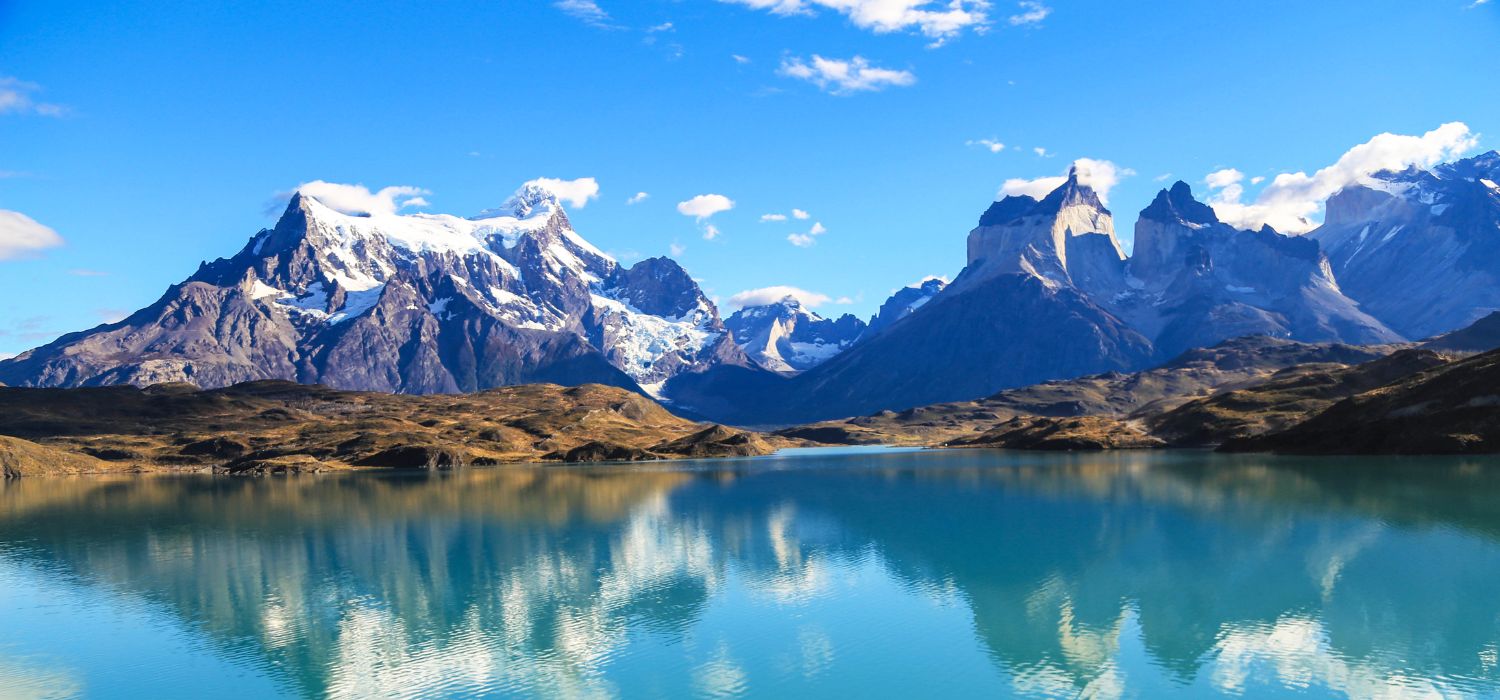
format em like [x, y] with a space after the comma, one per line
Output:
[149, 137]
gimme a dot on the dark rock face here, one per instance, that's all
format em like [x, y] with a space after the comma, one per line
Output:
[408, 304]
[1419, 249]
[784, 337]
[904, 302]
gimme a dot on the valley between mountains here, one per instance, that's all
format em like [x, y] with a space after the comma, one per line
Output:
[1376, 324]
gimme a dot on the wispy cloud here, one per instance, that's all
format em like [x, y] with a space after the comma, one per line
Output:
[991, 145]
[845, 76]
[17, 97]
[1031, 13]
[939, 20]
[807, 240]
[637, 198]
[588, 12]
[775, 293]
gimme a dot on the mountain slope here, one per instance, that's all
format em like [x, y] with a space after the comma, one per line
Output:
[1452, 408]
[1194, 281]
[1420, 249]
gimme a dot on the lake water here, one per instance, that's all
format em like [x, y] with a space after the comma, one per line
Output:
[848, 574]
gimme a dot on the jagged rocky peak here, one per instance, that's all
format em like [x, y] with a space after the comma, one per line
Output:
[1178, 205]
[785, 337]
[658, 286]
[1069, 228]
[904, 301]
[1171, 233]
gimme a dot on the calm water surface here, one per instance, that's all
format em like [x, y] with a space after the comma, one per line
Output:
[831, 574]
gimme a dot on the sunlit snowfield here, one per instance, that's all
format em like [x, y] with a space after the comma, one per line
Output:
[834, 574]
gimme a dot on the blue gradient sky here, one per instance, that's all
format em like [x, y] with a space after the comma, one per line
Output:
[175, 125]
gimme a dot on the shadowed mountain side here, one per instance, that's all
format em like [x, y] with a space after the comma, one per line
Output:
[1451, 408]
[1195, 374]
[1006, 331]
[1286, 398]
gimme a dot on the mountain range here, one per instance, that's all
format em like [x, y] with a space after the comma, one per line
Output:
[426, 303]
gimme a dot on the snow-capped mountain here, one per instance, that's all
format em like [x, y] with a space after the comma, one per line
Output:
[1194, 281]
[784, 337]
[418, 303]
[1419, 249]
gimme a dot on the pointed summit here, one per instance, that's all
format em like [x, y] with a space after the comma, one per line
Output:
[1178, 204]
[1071, 193]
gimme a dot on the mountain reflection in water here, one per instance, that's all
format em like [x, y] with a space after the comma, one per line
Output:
[861, 574]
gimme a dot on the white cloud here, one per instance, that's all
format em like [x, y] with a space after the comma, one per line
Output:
[1477, 3]
[21, 235]
[1101, 175]
[637, 198]
[710, 232]
[772, 217]
[574, 193]
[806, 240]
[586, 11]
[742, 60]
[1031, 13]
[937, 19]
[1257, 180]
[918, 284]
[992, 145]
[1292, 200]
[1041, 152]
[1223, 178]
[1162, 177]
[663, 27]
[677, 249]
[705, 205]
[844, 301]
[358, 199]
[771, 295]
[799, 214]
[16, 98]
[845, 77]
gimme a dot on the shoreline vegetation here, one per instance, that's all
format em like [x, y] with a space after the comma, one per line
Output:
[1251, 394]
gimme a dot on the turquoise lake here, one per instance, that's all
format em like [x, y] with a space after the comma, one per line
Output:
[823, 573]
